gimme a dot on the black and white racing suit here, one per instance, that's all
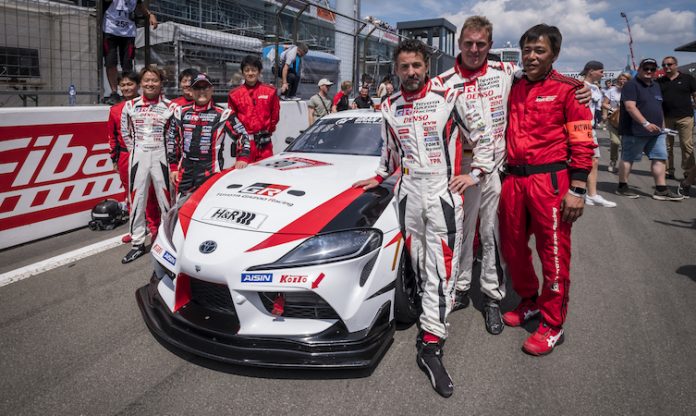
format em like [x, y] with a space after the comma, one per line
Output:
[492, 83]
[196, 143]
[423, 136]
[144, 123]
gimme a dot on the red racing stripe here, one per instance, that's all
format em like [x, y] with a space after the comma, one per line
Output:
[182, 291]
[186, 211]
[311, 222]
[447, 254]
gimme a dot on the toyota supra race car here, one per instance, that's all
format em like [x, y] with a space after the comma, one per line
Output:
[284, 263]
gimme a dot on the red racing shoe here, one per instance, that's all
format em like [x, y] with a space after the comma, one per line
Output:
[525, 311]
[543, 340]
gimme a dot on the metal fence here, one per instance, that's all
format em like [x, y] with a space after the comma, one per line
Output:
[48, 46]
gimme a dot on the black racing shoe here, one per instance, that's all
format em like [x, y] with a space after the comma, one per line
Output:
[136, 251]
[493, 317]
[461, 300]
[429, 360]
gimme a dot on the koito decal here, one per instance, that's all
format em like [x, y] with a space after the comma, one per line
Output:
[49, 171]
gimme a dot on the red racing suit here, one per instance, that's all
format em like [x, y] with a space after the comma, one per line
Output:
[120, 157]
[144, 123]
[182, 101]
[258, 108]
[422, 135]
[196, 143]
[492, 83]
[549, 143]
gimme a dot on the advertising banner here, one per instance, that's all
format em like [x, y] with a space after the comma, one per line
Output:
[54, 164]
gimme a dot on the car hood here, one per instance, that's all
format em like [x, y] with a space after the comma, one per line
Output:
[292, 193]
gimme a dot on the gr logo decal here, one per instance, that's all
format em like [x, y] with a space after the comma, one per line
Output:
[264, 189]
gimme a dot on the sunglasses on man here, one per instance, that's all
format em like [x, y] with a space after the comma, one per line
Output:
[649, 68]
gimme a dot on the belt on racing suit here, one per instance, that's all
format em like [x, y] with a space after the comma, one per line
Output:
[526, 170]
[423, 173]
[262, 139]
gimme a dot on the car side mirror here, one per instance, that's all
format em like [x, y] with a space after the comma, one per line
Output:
[289, 139]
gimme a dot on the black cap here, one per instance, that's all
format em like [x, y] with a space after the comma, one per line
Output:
[201, 78]
[647, 61]
[592, 65]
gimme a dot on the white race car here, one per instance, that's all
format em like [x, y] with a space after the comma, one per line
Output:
[284, 264]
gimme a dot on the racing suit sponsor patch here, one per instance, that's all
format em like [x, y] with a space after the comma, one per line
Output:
[257, 277]
[236, 216]
[545, 98]
[169, 257]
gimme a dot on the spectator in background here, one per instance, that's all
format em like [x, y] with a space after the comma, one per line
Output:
[363, 100]
[593, 73]
[119, 38]
[185, 78]
[382, 89]
[640, 126]
[257, 106]
[678, 91]
[607, 87]
[320, 104]
[390, 91]
[341, 101]
[128, 82]
[290, 63]
[611, 104]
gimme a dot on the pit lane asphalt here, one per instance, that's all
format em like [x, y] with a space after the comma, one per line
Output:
[73, 342]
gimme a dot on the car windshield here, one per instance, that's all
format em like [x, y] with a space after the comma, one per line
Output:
[344, 136]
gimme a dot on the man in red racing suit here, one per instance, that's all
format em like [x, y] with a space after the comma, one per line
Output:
[257, 106]
[549, 155]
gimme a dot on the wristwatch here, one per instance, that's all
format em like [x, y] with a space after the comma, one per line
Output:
[646, 124]
[577, 191]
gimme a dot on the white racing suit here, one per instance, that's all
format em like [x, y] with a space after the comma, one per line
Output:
[143, 125]
[423, 136]
[492, 83]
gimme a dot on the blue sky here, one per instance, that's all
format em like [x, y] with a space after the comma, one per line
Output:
[591, 29]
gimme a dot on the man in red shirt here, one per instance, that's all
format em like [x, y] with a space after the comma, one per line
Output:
[544, 192]
[186, 77]
[128, 82]
[258, 108]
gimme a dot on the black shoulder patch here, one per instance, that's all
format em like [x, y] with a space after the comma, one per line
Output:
[575, 83]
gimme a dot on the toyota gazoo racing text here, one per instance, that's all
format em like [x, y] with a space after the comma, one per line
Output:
[284, 263]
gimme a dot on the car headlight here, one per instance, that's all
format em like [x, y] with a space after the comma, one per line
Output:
[328, 248]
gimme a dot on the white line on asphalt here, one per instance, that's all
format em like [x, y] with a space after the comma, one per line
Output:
[45, 265]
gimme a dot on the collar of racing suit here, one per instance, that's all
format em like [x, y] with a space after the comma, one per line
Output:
[148, 101]
[551, 71]
[466, 74]
[199, 108]
[417, 95]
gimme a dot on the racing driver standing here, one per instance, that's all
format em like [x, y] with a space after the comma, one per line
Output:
[257, 105]
[144, 121]
[422, 135]
[544, 192]
[195, 141]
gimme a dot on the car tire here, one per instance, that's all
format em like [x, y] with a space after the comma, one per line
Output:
[406, 297]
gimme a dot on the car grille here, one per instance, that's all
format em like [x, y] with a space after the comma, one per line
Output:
[212, 296]
[305, 305]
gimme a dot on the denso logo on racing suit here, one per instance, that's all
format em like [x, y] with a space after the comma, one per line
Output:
[50, 171]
